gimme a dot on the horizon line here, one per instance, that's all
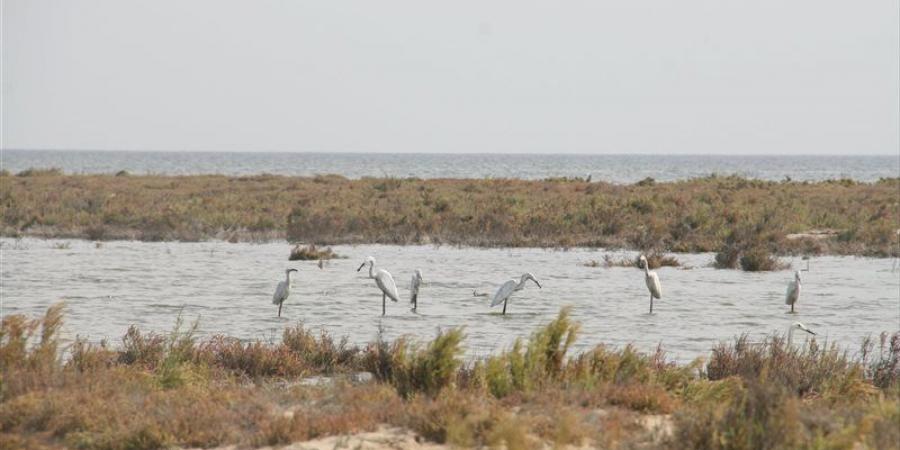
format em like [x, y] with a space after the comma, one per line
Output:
[357, 152]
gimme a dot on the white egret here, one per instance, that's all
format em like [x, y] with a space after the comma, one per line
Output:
[652, 280]
[384, 280]
[793, 291]
[799, 326]
[506, 289]
[283, 290]
[414, 289]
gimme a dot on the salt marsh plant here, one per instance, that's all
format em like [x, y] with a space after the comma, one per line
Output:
[177, 390]
[737, 217]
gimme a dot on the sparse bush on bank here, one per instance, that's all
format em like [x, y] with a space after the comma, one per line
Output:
[311, 253]
[737, 217]
[654, 259]
[176, 390]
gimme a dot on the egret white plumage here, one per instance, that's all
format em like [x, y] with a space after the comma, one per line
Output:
[414, 289]
[283, 290]
[506, 289]
[384, 280]
[652, 280]
[793, 291]
[797, 326]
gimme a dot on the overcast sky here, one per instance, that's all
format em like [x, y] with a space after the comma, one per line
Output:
[654, 76]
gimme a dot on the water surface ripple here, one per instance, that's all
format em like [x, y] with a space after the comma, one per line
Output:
[229, 288]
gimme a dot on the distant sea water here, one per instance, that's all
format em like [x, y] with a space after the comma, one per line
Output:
[611, 168]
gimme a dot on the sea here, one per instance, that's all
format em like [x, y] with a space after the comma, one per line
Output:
[619, 169]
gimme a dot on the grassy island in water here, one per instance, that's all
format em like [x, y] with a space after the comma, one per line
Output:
[734, 216]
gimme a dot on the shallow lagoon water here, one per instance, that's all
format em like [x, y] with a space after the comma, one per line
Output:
[228, 288]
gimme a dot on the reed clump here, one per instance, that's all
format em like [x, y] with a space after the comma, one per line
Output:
[311, 253]
[655, 260]
[178, 390]
[734, 216]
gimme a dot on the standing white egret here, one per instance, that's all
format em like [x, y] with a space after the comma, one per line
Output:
[506, 289]
[793, 291]
[283, 290]
[384, 280]
[652, 280]
[799, 326]
[414, 289]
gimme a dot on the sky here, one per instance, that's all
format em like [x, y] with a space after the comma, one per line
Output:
[642, 76]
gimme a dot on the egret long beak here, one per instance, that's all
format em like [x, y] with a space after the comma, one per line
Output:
[538, 284]
[360, 267]
[809, 331]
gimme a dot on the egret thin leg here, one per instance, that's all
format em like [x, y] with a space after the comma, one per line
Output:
[651, 304]
[279, 308]
[504, 306]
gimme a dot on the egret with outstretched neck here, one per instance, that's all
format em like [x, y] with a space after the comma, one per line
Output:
[793, 291]
[798, 326]
[652, 280]
[506, 289]
[283, 290]
[414, 289]
[384, 280]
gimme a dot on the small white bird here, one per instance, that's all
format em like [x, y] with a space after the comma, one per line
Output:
[506, 290]
[384, 280]
[799, 326]
[414, 289]
[283, 290]
[793, 291]
[652, 280]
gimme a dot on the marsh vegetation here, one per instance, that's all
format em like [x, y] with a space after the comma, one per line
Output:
[157, 390]
[745, 221]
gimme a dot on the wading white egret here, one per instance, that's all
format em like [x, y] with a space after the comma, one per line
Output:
[384, 280]
[506, 289]
[652, 280]
[798, 326]
[283, 290]
[793, 291]
[414, 289]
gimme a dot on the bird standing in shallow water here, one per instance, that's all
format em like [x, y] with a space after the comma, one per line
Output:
[384, 280]
[652, 280]
[793, 291]
[506, 290]
[414, 289]
[283, 290]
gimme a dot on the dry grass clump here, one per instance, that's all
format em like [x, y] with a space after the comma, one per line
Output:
[413, 369]
[685, 216]
[807, 370]
[654, 259]
[311, 253]
[32, 172]
[752, 246]
[175, 390]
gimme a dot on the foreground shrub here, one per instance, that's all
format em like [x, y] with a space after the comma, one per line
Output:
[804, 370]
[542, 361]
[173, 390]
[411, 368]
[26, 364]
